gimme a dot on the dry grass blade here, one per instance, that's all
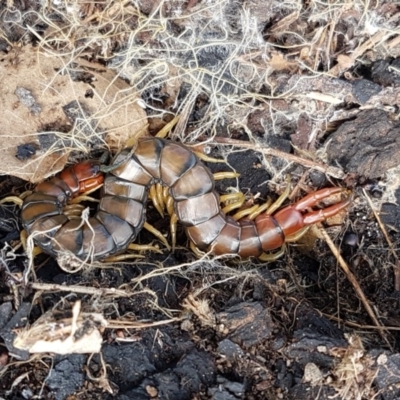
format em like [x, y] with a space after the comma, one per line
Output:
[124, 324]
[112, 292]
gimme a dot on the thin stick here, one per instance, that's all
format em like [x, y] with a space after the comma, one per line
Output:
[359, 326]
[115, 324]
[50, 287]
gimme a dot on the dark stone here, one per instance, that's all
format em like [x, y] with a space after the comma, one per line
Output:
[8, 334]
[247, 323]
[5, 314]
[386, 73]
[65, 378]
[364, 89]
[230, 350]
[26, 151]
[390, 213]
[368, 145]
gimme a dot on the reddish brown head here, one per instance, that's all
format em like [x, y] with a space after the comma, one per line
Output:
[83, 177]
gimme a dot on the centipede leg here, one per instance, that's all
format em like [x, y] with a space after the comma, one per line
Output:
[154, 198]
[160, 197]
[23, 234]
[162, 133]
[169, 204]
[273, 256]
[280, 200]
[173, 224]
[207, 158]
[260, 209]
[196, 251]
[218, 176]
[79, 199]
[144, 247]
[232, 201]
[165, 194]
[12, 199]
[73, 210]
[157, 234]
[123, 257]
[243, 213]
[298, 235]
[35, 251]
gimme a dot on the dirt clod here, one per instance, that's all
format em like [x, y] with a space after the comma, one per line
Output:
[368, 146]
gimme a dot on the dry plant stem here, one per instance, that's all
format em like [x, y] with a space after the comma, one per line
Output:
[115, 324]
[49, 287]
[360, 326]
[396, 266]
[332, 171]
[353, 280]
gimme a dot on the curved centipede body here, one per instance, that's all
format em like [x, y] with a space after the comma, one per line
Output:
[122, 212]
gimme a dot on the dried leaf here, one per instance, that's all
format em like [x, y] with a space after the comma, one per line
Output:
[38, 100]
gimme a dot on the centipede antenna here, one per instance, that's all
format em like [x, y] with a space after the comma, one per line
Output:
[73, 210]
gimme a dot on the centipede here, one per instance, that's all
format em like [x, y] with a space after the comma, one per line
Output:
[121, 213]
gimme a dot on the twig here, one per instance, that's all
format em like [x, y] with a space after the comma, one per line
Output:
[123, 324]
[359, 326]
[50, 287]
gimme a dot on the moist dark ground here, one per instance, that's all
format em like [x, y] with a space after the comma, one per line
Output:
[290, 329]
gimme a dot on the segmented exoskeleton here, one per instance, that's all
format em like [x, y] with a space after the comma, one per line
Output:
[122, 212]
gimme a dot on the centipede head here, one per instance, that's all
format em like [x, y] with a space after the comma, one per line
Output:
[83, 177]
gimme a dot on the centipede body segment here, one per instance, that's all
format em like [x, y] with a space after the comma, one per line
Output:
[122, 210]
